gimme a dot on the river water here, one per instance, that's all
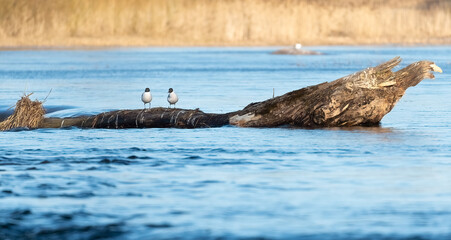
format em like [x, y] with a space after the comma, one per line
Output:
[388, 182]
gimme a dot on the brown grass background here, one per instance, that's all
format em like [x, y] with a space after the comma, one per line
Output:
[222, 22]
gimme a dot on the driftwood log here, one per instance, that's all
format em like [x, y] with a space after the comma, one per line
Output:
[360, 99]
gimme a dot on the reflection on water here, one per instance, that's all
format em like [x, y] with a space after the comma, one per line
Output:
[387, 182]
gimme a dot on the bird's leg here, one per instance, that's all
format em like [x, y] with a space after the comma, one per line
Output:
[150, 104]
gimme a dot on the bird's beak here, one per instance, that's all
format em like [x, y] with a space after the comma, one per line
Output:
[436, 68]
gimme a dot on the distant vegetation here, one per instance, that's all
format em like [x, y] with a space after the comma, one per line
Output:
[222, 22]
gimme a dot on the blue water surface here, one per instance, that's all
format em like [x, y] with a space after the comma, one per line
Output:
[388, 182]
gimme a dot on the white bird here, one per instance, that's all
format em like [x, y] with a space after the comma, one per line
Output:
[146, 97]
[298, 46]
[172, 97]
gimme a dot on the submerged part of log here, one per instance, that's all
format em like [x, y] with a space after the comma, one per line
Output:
[362, 98]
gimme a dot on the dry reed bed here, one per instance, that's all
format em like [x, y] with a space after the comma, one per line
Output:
[230, 22]
[26, 114]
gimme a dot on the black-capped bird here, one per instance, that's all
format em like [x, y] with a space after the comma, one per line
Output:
[146, 97]
[172, 97]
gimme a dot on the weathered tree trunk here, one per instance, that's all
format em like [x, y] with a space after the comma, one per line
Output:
[144, 118]
[362, 98]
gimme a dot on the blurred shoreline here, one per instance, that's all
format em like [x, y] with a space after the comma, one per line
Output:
[104, 47]
[137, 23]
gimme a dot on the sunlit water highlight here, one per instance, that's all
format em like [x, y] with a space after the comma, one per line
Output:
[390, 182]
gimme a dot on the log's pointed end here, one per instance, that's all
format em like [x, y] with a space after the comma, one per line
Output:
[414, 73]
[395, 61]
[431, 69]
[435, 68]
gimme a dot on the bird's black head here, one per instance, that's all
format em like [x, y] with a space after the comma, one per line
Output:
[170, 90]
[147, 90]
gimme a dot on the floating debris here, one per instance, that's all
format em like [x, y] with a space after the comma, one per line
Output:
[296, 50]
[27, 114]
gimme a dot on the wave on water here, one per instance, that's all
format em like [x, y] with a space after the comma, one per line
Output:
[21, 223]
[6, 111]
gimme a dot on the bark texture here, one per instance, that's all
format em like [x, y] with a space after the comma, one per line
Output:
[144, 118]
[360, 99]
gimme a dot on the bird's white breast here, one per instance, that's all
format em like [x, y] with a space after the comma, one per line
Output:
[172, 98]
[146, 97]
